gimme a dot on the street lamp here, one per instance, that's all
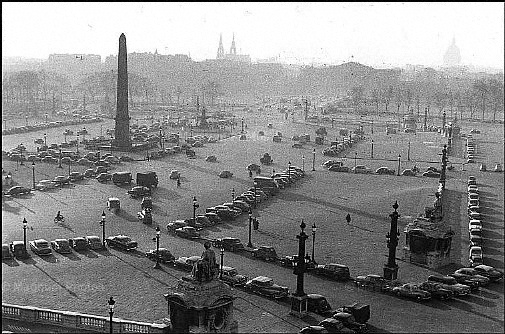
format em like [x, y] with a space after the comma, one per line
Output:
[59, 166]
[249, 244]
[102, 222]
[111, 311]
[233, 194]
[33, 174]
[255, 186]
[26, 118]
[158, 232]
[195, 206]
[45, 140]
[399, 164]
[111, 140]
[314, 229]
[303, 163]
[77, 143]
[408, 152]
[371, 154]
[69, 163]
[25, 224]
[221, 249]
[289, 171]
[314, 160]
[242, 125]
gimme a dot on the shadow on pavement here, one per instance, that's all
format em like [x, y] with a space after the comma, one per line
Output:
[71, 256]
[50, 258]
[10, 262]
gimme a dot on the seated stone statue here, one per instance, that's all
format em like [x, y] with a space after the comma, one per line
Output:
[204, 269]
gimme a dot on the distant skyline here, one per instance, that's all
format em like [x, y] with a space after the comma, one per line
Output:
[375, 34]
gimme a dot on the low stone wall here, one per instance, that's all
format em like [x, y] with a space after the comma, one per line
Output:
[74, 322]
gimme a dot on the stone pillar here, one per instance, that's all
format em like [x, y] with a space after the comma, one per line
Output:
[122, 130]
[391, 268]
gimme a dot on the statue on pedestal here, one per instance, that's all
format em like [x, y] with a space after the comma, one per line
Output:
[437, 207]
[205, 269]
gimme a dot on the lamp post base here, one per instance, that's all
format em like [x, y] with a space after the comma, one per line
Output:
[298, 306]
[390, 273]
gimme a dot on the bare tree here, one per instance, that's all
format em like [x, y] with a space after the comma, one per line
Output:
[388, 96]
[496, 93]
[482, 89]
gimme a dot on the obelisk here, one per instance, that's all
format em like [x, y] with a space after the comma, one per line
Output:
[122, 130]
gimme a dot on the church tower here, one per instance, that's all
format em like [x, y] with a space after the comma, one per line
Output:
[233, 49]
[452, 56]
[220, 49]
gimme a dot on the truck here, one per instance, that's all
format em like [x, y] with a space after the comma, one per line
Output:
[122, 178]
[148, 179]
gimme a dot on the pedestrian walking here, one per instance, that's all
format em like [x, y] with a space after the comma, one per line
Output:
[250, 173]
[178, 183]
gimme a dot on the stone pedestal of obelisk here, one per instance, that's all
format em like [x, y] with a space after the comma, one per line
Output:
[122, 131]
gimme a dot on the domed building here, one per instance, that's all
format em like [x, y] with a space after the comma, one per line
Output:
[452, 56]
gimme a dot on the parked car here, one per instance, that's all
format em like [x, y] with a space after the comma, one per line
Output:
[175, 174]
[334, 271]
[100, 169]
[318, 304]
[474, 274]
[186, 263]
[176, 224]
[121, 242]
[490, 272]
[90, 172]
[187, 232]
[436, 290]
[61, 246]
[411, 290]
[78, 243]
[466, 280]
[266, 253]
[40, 247]
[139, 191]
[336, 168]
[451, 284]
[164, 255]
[231, 276]
[76, 176]
[431, 173]
[385, 170]
[94, 242]
[44, 185]
[408, 172]
[361, 169]
[213, 217]
[475, 256]
[229, 244]
[225, 174]
[18, 249]
[498, 168]
[104, 177]
[17, 191]
[265, 286]
[374, 282]
[6, 252]
[61, 180]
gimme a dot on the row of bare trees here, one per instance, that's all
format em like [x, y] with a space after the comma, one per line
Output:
[485, 95]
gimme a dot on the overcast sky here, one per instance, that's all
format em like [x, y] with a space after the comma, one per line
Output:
[370, 33]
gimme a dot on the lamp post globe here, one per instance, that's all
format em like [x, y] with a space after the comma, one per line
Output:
[25, 224]
[158, 232]
[314, 229]
[33, 174]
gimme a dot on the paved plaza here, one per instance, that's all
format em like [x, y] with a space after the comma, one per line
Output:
[83, 281]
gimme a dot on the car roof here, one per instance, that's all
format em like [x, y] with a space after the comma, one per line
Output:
[262, 279]
[227, 268]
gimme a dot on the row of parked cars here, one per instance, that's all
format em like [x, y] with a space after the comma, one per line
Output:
[338, 166]
[475, 255]
[460, 283]
[42, 126]
[338, 147]
[42, 247]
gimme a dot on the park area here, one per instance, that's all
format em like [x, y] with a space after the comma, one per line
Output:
[324, 198]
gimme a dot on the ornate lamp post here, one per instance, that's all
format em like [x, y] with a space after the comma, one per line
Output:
[25, 224]
[242, 125]
[289, 171]
[33, 174]
[59, 166]
[444, 166]
[255, 187]
[221, 249]
[313, 160]
[399, 164]
[111, 141]
[371, 153]
[102, 223]
[299, 298]
[391, 268]
[355, 160]
[408, 152]
[232, 194]
[158, 232]
[195, 206]
[303, 163]
[249, 243]
[45, 140]
[314, 229]
[69, 163]
[111, 311]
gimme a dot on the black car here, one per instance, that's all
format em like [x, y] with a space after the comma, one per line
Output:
[436, 290]
[78, 244]
[334, 271]
[139, 191]
[229, 244]
[121, 242]
[17, 190]
[165, 256]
